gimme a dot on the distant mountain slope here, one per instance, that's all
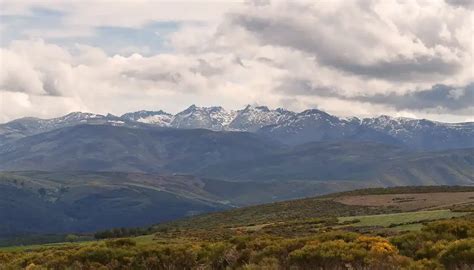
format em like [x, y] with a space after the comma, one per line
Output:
[252, 118]
[115, 148]
[158, 118]
[316, 126]
[285, 126]
[365, 162]
[28, 126]
[216, 118]
[83, 201]
[422, 133]
[236, 156]
[80, 201]
[213, 118]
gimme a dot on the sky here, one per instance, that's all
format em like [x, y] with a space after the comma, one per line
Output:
[349, 58]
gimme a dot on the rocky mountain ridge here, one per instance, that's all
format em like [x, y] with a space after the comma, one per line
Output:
[279, 124]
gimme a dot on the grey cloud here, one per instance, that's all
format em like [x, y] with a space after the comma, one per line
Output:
[315, 40]
[205, 68]
[461, 3]
[305, 88]
[13, 84]
[438, 96]
[154, 76]
[50, 86]
[258, 2]
[401, 68]
[46, 86]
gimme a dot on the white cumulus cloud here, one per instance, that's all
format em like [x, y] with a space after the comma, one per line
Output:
[374, 57]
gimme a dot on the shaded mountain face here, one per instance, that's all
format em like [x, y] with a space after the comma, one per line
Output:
[79, 201]
[424, 134]
[24, 127]
[60, 202]
[318, 126]
[115, 148]
[282, 125]
[236, 156]
[369, 163]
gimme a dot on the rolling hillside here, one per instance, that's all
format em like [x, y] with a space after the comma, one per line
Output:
[363, 202]
[80, 201]
[314, 233]
[35, 202]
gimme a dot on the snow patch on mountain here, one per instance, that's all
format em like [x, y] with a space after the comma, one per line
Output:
[158, 118]
[213, 118]
[252, 118]
[280, 124]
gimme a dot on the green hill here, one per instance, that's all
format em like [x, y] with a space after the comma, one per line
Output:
[33, 202]
[329, 232]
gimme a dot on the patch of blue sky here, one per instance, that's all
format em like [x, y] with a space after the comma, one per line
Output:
[24, 26]
[147, 40]
[40, 23]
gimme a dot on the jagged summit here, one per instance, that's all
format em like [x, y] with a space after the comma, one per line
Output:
[160, 118]
[280, 124]
[214, 118]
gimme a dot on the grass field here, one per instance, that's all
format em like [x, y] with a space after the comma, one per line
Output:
[410, 201]
[43, 246]
[407, 221]
[139, 240]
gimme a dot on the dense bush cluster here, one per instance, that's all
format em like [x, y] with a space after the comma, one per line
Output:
[122, 232]
[445, 244]
[450, 242]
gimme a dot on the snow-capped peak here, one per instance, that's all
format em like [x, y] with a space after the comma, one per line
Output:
[252, 118]
[214, 118]
[159, 118]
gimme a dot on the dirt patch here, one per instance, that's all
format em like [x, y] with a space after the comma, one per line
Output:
[409, 202]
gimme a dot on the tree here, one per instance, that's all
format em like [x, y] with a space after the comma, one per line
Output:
[72, 238]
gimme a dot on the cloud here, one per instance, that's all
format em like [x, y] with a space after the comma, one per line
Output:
[461, 3]
[373, 57]
[116, 27]
[361, 38]
[441, 97]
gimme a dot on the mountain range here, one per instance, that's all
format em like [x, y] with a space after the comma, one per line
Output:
[233, 156]
[83, 171]
[280, 124]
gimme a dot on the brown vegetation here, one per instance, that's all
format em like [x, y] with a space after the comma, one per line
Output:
[410, 201]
